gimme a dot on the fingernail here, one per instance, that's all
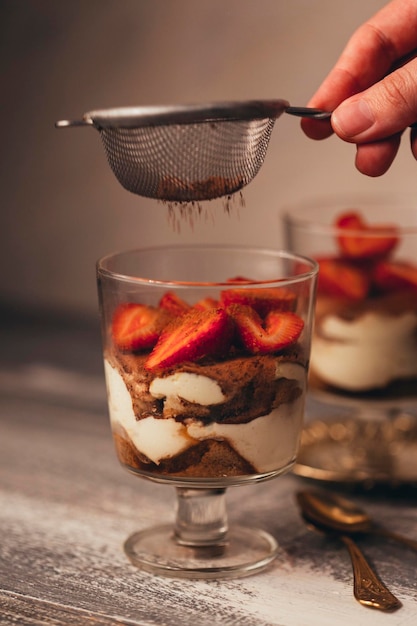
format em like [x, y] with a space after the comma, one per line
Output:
[353, 118]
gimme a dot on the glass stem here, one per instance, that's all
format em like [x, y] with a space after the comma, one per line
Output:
[201, 517]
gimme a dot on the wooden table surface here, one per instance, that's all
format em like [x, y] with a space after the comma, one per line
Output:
[66, 507]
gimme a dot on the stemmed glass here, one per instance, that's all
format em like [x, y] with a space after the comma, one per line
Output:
[363, 373]
[206, 351]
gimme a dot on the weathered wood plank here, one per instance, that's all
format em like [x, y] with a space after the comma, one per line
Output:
[18, 610]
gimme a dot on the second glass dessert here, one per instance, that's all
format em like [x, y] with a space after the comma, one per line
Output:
[364, 351]
[206, 352]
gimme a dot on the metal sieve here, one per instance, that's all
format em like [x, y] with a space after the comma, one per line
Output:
[188, 153]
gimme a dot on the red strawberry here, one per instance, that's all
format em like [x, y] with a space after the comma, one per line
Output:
[351, 220]
[342, 279]
[280, 330]
[190, 337]
[173, 303]
[395, 275]
[261, 299]
[137, 326]
[207, 303]
[377, 240]
[240, 279]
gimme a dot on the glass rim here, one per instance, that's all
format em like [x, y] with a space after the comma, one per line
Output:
[104, 271]
[331, 229]
[295, 214]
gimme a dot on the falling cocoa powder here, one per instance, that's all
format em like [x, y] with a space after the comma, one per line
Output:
[192, 212]
[184, 199]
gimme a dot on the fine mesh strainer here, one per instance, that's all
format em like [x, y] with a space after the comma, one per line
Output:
[188, 153]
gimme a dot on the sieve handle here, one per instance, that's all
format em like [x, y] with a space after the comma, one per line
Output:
[317, 114]
[68, 123]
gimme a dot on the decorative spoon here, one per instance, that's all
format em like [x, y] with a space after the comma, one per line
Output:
[368, 589]
[345, 516]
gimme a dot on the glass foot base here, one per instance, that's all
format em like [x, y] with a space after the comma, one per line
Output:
[243, 552]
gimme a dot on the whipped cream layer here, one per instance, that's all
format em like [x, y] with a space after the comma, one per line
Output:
[191, 387]
[267, 442]
[367, 352]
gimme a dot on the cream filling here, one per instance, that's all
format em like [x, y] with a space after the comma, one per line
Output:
[268, 442]
[191, 387]
[367, 352]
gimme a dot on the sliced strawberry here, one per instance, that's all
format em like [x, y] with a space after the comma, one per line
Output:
[190, 337]
[261, 299]
[342, 279]
[240, 279]
[395, 275]
[173, 303]
[207, 303]
[279, 331]
[137, 326]
[376, 242]
[351, 220]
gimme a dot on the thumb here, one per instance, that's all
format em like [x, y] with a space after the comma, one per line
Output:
[383, 110]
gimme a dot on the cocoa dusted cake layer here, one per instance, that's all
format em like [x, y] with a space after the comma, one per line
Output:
[208, 458]
[251, 387]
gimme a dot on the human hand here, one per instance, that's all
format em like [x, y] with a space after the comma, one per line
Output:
[372, 89]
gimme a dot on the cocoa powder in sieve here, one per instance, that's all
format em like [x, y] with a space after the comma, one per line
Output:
[177, 190]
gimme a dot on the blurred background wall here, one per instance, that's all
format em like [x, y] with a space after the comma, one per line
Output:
[62, 207]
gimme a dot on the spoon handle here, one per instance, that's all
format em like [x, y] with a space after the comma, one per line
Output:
[368, 589]
[389, 534]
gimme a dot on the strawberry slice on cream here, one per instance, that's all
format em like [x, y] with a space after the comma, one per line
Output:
[377, 240]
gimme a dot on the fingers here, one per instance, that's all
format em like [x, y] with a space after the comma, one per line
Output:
[371, 90]
[338, 86]
[374, 159]
[386, 108]
[367, 58]
[375, 119]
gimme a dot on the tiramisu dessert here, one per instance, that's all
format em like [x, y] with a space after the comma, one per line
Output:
[365, 338]
[208, 389]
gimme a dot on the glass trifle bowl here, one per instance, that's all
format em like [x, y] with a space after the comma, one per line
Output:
[363, 369]
[206, 351]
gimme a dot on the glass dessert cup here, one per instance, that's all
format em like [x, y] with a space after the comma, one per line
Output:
[363, 369]
[206, 351]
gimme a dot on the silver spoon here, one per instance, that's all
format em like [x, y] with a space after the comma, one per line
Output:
[368, 588]
[346, 517]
